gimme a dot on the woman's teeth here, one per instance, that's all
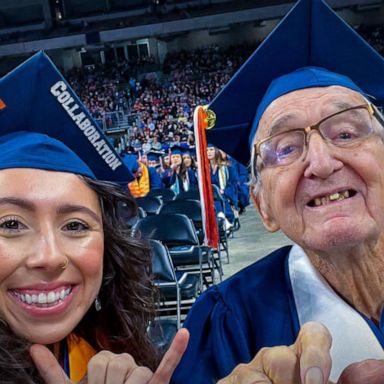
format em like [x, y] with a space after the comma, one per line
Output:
[333, 197]
[51, 297]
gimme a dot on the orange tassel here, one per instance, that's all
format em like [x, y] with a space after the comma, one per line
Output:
[204, 176]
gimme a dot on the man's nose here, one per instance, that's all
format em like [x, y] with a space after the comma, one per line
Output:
[320, 160]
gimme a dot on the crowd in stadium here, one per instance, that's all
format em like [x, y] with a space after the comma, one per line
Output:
[161, 110]
[163, 119]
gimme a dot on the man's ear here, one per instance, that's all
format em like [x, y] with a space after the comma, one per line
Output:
[264, 209]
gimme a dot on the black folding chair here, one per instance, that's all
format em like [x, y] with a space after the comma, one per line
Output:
[150, 204]
[125, 214]
[177, 291]
[192, 209]
[178, 233]
[165, 194]
[192, 194]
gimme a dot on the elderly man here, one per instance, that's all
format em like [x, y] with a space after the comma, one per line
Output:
[312, 312]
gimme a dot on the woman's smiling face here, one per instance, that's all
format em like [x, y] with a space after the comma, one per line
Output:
[47, 218]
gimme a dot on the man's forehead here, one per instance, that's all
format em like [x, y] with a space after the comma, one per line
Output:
[306, 103]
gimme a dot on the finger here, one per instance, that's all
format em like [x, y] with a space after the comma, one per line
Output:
[313, 346]
[245, 374]
[139, 375]
[368, 371]
[280, 364]
[171, 358]
[47, 365]
[119, 368]
[97, 367]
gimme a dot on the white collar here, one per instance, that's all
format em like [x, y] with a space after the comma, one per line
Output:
[352, 338]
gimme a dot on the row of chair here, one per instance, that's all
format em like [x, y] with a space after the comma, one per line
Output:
[182, 265]
[153, 202]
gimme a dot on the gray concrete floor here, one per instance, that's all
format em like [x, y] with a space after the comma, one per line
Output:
[251, 242]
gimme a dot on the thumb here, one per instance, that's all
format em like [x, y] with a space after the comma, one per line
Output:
[47, 365]
[368, 371]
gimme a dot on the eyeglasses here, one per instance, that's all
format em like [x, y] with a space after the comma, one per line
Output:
[345, 128]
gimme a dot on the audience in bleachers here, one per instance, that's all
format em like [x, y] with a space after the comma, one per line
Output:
[162, 110]
[165, 110]
[374, 34]
[104, 89]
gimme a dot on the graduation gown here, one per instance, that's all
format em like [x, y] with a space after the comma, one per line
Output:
[229, 193]
[263, 306]
[171, 179]
[154, 179]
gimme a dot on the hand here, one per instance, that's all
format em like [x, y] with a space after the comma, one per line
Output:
[368, 371]
[109, 368]
[307, 361]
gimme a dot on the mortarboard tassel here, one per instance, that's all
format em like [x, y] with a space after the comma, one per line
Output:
[204, 119]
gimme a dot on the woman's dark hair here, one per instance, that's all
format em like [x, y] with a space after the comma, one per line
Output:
[16, 366]
[127, 294]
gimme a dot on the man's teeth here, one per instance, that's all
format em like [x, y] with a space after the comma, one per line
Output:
[43, 298]
[334, 197]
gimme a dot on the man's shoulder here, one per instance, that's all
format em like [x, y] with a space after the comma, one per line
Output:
[275, 259]
[257, 277]
[248, 291]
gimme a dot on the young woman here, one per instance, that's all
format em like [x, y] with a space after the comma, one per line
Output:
[74, 284]
[223, 176]
[178, 177]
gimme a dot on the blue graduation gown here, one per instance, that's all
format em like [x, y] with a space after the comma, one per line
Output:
[231, 321]
[242, 183]
[154, 179]
[169, 179]
[260, 306]
[230, 193]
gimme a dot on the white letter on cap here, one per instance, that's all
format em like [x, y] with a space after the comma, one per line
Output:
[57, 88]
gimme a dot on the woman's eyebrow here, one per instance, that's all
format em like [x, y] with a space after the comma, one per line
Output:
[63, 209]
[23, 203]
[72, 208]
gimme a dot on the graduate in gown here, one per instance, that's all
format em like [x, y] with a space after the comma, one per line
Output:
[224, 177]
[76, 295]
[154, 169]
[312, 312]
[178, 177]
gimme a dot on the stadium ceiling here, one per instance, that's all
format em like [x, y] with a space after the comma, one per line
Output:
[30, 25]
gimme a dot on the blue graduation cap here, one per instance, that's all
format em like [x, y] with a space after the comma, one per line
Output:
[185, 150]
[311, 40]
[44, 125]
[154, 155]
[176, 150]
